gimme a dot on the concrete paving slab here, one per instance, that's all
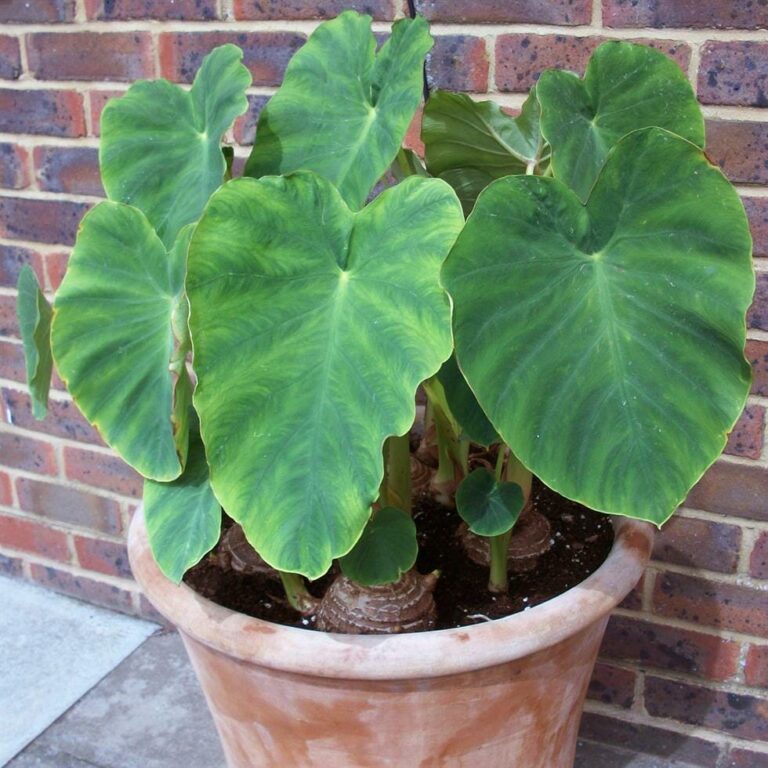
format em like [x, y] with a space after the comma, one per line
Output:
[53, 649]
[148, 713]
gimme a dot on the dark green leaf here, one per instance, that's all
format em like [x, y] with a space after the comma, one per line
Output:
[488, 507]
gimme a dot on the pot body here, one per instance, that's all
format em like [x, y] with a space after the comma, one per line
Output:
[504, 693]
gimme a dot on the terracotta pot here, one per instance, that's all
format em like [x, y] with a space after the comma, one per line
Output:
[503, 693]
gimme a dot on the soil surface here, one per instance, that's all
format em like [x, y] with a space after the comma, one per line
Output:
[581, 538]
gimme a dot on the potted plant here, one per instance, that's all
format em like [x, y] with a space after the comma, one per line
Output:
[255, 345]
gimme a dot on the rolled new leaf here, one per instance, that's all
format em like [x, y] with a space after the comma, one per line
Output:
[312, 327]
[605, 341]
[34, 313]
[343, 110]
[160, 145]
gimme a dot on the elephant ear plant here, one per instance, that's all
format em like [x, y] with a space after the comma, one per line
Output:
[255, 345]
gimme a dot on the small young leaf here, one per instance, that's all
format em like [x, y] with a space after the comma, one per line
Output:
[488, 507]
[183, 517]
[35, 314]
[386, 549]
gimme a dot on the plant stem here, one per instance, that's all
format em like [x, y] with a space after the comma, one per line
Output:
[398, 472]
[517, 473]
[297, 593]
[499, 580]
[502, 454]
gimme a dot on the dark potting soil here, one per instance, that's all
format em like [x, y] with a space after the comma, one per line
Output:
[581, 542]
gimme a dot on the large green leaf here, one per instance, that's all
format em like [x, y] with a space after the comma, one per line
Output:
[605, 341]
[34, 313]
[488, 507]
[113, 341]
[312, 327]
[160, 145]
[471, 143]
[626, 87]
[343, 111]
[386, 549]
[183, 517]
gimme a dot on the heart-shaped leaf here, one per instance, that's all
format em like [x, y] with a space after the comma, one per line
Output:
[343, 111]
[160, 145]
[469, 144]
[312, 327]
[386, 549]
[605, 341]
[113, 340]
[488, 507]
[626, 87]
[183, 517]
[34, 313]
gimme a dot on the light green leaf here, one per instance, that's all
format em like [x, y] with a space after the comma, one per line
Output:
[113, 340]
[471, 143]
[160, 145]
[386, 549]
[312, 327]
[605, 342]
[626, 87]
[34, 313]
[343, 111]
[488, 507]
[183, 517]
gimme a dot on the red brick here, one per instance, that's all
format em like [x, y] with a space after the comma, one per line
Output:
[37, 11]
[675, 650]
[458, 63]
[758, 559]
[266, 54]
[31, 536]
[711, 603]
[9, 324]
[179, 10]
[44, 221]
[266, 10]
[55, 267]
[734, 73]
[758, 313]
[13, 258]
[6, 497]
[11, 566]
[520, 59]
[757, 354]
[14, 173]
[612, 685]
[99, 100]
[732, 489]
[756, 668]
[53, 113]
[69, 506]
[648, 739]
[28, 454]
[757, 212]
[565, 12]
[108, 557]
[83, 588]
[740, 149]
[63, 420]
[699, 14]
[245, 126]
[699, 543]
[735, 713]
[747, 436]
[11, 360]
[68, 169]
[90, 55]
[745, 758]
[10, 57]
[102, 470]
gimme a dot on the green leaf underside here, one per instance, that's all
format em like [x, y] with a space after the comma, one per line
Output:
[464, 406]
[343, 111]
[183, 517]
[34, 313]
[386, 549]
[160, 145]
[626, 87]
[112, 339]
[605, 341]
[312, 327]
[487, 507]
[469, 144]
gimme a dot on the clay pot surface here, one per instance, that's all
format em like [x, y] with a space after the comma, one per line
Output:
[502, 693]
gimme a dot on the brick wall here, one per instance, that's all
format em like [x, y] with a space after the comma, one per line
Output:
[684, 669]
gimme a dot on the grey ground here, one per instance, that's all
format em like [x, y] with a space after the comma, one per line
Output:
[108, 691]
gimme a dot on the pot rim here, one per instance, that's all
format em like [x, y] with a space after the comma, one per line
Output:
[395, 657]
